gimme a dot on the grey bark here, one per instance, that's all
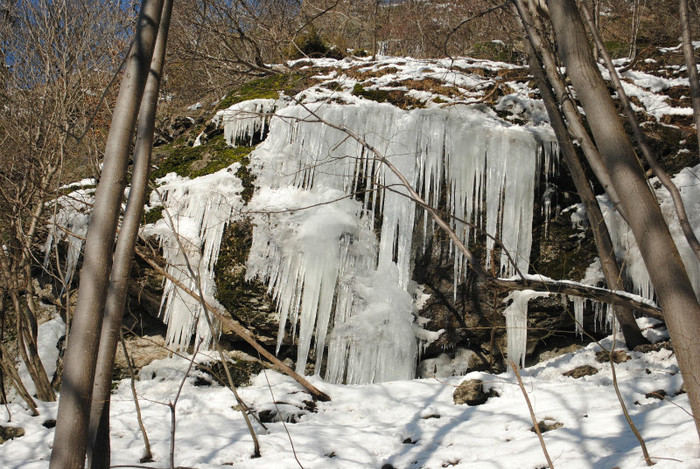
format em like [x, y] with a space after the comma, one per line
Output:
[568, 106]
[611, 270]
[98, 450]
[666, 270]
[649, 156]
[70, 440]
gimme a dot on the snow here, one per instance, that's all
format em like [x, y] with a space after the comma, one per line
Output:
[648, 89]
[405, 423]
[49, 333]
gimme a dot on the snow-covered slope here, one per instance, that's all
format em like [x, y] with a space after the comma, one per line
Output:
[399, 424]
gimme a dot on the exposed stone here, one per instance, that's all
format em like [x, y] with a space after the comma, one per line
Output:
[142, 351]
[581, 371]
[471, 392]
[546, 425]
[618, 356]
[241, 370]
[646, 348]
[10, 433]
[658, 394]
[559, 351]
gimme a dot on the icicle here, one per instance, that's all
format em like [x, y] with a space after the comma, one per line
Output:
[626, 246]
[516, 328]
[547, 197]
[244, 119]
[578, 314]
[70, 223]
[516, 324]
[200, 209]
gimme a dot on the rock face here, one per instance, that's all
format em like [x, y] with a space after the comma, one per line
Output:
[467, 312]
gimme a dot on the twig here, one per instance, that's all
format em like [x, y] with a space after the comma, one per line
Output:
[633, 427]
[284, 424]
[148, 456]
[623, 406]
[173, 403]
[532, 415]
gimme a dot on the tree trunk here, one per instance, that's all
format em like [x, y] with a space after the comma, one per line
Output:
[578, 131]
[611, 270]
[70, 440]
[649, 156]
[666, 270]
[690, 63]
[98, 445]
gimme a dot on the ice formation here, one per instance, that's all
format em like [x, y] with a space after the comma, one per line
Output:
[603, 315]
[246, 119]
[322, 193]
[199, 209]
[69, 223]
[516, 324]
[626, 248]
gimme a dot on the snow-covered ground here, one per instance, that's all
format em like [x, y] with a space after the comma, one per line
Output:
[405, 424]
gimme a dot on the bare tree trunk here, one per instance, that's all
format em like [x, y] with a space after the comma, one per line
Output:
[375, 29]
[636, 17]
[649, 156]
[666, 270]
[98, 450]
[690, 63]
[70, 440]
[576, 128]
[611, 270]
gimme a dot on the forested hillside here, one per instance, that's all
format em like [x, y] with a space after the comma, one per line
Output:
[390, 234]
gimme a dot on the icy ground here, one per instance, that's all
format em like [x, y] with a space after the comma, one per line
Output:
[407, 424]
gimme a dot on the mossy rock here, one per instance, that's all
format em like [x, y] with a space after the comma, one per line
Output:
[266, 88]
[198, 161]
[398, 98]
[310, 44]
[496, 51]
[247, 301]
[153, 215]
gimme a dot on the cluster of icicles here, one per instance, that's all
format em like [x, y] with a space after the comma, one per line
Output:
[322, 194]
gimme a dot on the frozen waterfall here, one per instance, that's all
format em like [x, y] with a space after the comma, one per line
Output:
[196, 211]
[334, 230]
